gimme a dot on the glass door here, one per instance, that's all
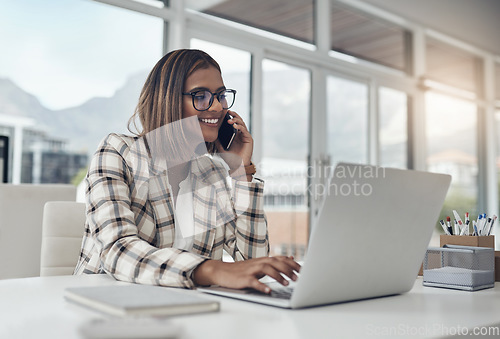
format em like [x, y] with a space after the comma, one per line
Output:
[392, 128]
[451, 126]
[286, 93]
[347, 120]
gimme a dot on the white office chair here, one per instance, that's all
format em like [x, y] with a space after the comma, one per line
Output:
[62, 233]
[21, 210]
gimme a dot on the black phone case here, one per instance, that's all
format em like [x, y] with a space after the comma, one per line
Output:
[226, 133]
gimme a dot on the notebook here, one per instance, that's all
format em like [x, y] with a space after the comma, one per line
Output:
[369, 240]
[140, 300]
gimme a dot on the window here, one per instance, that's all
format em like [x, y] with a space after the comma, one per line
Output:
[452, 66]
[290, 18]
[236, 66]
[497, 82]
[286, 107]
[347, 120]
[497, 129]
[73, 75]
[361, 35]
[451, 126]
[4, 158]
[393, 128]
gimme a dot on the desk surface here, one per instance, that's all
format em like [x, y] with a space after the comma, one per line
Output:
[35, 308]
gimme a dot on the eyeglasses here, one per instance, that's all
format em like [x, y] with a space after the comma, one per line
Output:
[203, 99]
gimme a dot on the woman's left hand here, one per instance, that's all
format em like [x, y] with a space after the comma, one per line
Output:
[242, 145]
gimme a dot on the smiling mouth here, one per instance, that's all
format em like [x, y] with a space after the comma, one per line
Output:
[211, 122]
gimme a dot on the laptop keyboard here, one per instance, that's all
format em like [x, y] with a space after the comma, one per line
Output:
[282, 293]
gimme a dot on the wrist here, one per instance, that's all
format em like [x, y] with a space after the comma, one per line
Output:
[244, 173]
[243, 177]
[206, 273]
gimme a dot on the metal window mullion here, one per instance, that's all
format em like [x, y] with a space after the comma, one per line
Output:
[256, 119]
[489, 189]
[166, 37]
[164, 13]
[373, 123]
[177, 36]
[417, 155]
[410, 139]
[322, 25]
[318, 146]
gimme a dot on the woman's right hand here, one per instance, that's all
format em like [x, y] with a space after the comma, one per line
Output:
[244, 274]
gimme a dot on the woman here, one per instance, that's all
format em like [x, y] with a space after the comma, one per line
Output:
[157, 216]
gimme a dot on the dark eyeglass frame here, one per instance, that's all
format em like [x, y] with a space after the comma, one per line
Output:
[212, 95]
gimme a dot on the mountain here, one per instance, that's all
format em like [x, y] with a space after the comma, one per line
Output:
[90, 122]
[17, 102]
[83, 126]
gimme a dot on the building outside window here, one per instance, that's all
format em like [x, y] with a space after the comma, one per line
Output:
[74, 75]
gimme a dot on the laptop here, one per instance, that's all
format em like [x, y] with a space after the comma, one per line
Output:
[369, 240]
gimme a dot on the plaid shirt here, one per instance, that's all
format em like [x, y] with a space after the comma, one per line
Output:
[130, 226]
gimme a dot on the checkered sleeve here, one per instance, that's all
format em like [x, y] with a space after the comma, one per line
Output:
[112, 224]
[247, 235]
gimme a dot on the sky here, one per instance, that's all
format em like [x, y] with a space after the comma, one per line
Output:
[67, 51]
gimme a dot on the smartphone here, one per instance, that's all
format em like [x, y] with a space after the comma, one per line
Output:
[227, 132]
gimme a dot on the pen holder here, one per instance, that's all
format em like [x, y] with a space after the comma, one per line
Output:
[467, 240]
[459, 267]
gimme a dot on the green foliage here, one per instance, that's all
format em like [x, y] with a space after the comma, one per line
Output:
[78, 178]
[459, 201]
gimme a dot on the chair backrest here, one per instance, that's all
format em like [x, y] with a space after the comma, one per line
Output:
[62, 233]
[21, 210]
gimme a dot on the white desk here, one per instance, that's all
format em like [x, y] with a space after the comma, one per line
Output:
[35, 308]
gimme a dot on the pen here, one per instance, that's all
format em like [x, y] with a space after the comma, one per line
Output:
[459, 221]
[448, 219]
[486, 227]
[467, 221]
[457, 228]
[463, 231]
[443, 225]
[478, 224]
[484, 224]
[492, 222]
[489, 226]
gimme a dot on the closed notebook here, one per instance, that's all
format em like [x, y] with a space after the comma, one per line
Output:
[140, 300]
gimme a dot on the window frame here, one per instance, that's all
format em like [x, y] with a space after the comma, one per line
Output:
[183, 23]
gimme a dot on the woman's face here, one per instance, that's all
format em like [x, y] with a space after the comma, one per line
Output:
[210, 120]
